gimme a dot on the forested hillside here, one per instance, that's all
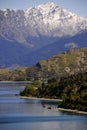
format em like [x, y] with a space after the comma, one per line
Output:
[73, 91]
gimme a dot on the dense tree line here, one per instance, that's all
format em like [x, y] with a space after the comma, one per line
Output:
[72, 89]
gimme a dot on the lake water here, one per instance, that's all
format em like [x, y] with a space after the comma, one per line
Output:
[26, 114]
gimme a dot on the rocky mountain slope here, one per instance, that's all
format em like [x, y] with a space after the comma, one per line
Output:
[35, 28]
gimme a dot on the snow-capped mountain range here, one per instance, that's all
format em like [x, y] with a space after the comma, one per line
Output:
[39, 26]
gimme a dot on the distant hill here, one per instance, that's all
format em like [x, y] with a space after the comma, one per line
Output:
[61, 65]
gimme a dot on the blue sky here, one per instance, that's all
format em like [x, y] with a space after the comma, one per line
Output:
[77, 6]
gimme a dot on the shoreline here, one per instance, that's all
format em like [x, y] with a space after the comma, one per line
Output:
[56, 100]
[72, 111]
[45, 99]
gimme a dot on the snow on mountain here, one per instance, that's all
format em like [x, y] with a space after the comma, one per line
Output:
[29, 35]
[47, 20]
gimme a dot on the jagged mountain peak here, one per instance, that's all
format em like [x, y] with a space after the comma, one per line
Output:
[38, 27]
[43, 9]
[46, 19]
[50, 7]
[47, 6]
